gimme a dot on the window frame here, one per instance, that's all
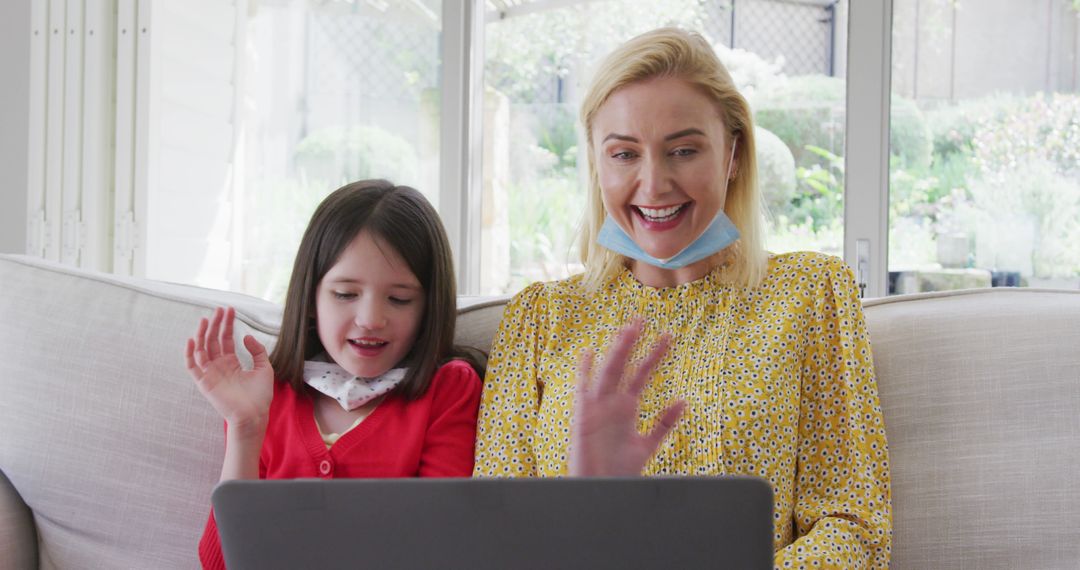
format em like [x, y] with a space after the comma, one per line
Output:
[866, 199]
[869, 25]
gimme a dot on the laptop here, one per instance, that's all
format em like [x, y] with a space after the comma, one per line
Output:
[480, 524]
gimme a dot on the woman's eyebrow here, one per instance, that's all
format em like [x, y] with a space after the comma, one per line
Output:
[672, 136]
[618, 137]
[683, 133]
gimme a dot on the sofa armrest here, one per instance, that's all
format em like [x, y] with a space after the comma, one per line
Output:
[18, 539]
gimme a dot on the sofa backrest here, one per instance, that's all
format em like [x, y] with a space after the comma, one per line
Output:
[105, 437]
[981, 396]
[107, 449]
[108, 453]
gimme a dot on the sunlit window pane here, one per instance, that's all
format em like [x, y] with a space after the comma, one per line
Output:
[985, 172]
[336, 91]
[787, 58]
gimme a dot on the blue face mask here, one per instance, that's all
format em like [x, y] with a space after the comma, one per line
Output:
[720, 234]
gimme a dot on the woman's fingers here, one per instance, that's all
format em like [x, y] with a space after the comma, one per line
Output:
[584, 377]
[213, 343]
[641, 375]
[664, 426]
[615, 361]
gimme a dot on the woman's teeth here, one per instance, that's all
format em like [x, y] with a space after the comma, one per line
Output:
[660, 214]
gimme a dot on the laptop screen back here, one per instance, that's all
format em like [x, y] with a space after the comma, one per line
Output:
[657, 522]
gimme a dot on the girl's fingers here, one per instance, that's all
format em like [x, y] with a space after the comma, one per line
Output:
[213, 345]
[189, 358]
[641, 376]
[201, 359]
[258, 352]
[200, 335]
[614, 365]
[228, 346]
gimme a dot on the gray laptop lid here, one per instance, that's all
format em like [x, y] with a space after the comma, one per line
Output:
[655, 522]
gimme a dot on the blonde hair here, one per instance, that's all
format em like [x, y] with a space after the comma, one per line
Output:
[671, 52]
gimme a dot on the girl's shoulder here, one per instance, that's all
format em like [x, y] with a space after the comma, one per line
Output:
[456, 373]
[454, 382]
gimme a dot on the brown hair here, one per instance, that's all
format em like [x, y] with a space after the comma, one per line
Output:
[671, 52]
[398, 216]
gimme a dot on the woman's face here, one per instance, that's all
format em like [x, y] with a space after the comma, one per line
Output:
[661, 154]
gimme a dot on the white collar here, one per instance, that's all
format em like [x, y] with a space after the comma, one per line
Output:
[350, 391]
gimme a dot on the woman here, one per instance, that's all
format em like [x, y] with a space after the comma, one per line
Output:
[748, 363]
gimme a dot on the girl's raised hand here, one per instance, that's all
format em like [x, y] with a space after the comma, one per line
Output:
[241, 396]
[604, 439]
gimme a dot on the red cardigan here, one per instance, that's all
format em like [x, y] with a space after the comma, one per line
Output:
[432, 436]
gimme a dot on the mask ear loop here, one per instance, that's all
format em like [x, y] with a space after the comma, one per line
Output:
[735, 247]
[731, 160]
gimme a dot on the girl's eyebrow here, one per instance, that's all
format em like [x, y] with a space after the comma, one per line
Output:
[672, 136]
[350, 280]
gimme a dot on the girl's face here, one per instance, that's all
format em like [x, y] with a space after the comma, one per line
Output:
[369, 307]
[661, 154]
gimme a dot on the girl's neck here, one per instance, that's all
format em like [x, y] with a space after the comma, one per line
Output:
[332, 418]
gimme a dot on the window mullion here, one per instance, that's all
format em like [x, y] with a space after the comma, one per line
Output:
[866, 189]
[461, 111]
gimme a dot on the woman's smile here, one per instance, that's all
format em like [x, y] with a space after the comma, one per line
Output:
[662, 218]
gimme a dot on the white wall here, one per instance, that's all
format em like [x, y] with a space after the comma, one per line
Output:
[14, 118]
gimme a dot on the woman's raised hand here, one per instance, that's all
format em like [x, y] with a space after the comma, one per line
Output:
[604, 438]
[241, 396]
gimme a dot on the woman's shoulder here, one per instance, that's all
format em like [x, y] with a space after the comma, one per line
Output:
[543, 296]
[572, 286]
[807, 266]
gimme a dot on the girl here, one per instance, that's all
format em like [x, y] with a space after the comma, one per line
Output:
[364, 380]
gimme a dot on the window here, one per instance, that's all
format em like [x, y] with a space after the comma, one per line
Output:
[985, 166]
[786, 56]
[207, 141]
[335, 91]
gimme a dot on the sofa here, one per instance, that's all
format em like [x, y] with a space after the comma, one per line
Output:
[108, 454]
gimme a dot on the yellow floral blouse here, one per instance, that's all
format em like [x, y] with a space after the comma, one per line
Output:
[779, 382]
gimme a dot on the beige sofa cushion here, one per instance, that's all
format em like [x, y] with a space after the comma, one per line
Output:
[114, 453]
[981, 396]
[104, 435]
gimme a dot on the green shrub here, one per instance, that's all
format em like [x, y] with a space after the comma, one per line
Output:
[1028, 218]
[807, 110]
[810, 110]
[1041, 127]
[953, 127]
[819, 196]
[776, 170]
[337, 155]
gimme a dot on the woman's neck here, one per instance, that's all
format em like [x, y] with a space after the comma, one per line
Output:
[659, 277]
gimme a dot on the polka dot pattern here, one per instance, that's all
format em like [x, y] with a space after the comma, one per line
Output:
[779, 383]
[350, 391]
